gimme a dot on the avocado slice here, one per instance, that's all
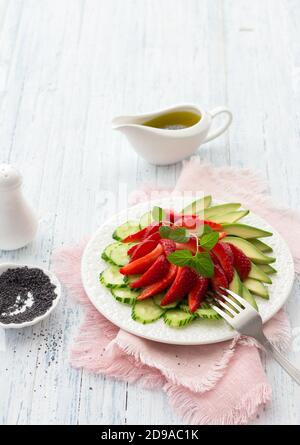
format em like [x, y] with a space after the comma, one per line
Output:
[229, 218]
[236, 284]
[267, 268]
[249, 250]
[258, 274]
[263, 247]
[221, 209]
[257, 288]
[245, 231]
[197, 206]
[246, 294]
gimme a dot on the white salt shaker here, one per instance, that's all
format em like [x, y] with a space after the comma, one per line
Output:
[18, 223]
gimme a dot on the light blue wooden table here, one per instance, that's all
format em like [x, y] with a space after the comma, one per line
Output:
[66, 68]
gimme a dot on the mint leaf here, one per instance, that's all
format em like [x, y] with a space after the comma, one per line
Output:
[158, 214]
[209, 240]
[206, 229]
[178, 235]
[202, 263]
[180, 257]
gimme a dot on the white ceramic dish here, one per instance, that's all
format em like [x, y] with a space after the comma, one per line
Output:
[160, 146]
[53, 279]
[199, 331]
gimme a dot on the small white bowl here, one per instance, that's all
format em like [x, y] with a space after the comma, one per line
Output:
[4, 267]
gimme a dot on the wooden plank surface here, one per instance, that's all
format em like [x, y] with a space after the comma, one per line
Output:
[66, 68]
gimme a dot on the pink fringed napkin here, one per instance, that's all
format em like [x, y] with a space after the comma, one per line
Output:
[214, 384]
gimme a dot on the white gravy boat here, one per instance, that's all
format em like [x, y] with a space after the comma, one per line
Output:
[163, 146]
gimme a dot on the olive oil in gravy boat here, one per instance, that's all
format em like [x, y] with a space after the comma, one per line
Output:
[172, 143]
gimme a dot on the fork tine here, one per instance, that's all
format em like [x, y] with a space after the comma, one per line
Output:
[222, 313]
[237, 297]
[225, 306]
[233, 303]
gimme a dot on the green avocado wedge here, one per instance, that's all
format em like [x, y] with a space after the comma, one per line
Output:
[249, 250]
[263, 247]
[246, 294]
[257, 273]
[197, 206]
[221, 209]
[228, 218]
[236, 284]
[257, 288]
[245, 231]
[267, 268]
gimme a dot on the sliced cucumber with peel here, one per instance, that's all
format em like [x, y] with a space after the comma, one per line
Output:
[107, 251]
[257, 288]
[197, 207]
[249, 250]
[112, 278]
[204, 312]
[145, 220]
[131, 278]
[221, 209]
[229, 218]
[158, 298]
[177, 318]
[125, 295]
[267, 268]
[146, 311]
[126, 229]
[118, 254]
[245, 231]
[257, 273]
[263, 247]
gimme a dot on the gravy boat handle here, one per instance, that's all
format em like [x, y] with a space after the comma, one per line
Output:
[213, 113]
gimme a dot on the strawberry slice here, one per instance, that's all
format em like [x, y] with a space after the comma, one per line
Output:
[197, 293]
[142, 249]
[161, 285]
[190, 245]
[169, 246]
[193, 222]
[137, 236]
[155, 273]
[241, 262]
[225, 258]
[142, 264]
[183, 283]
[219, 279]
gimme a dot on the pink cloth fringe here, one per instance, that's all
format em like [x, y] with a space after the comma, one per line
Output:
[214, 384]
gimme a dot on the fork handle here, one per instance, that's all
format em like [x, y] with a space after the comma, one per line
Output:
[281, 359]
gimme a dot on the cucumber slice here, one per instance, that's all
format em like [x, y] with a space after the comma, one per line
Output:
[229, 218]
[131, 278]
[258, 274]
[107, 251]
[145, 220]
[118, 254]
[245, 231]
[246, 294]
[249, 250]
[197, 206]
[128, 228]
[267, 268]
[146, 311]
[157, 300]
[221, 209]
[257, 288]
[236, 284]
[125, 295]
[112, 278]
[177, 318]
[263, 247]
[204, 312]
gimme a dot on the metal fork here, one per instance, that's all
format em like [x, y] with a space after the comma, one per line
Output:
[247, 321]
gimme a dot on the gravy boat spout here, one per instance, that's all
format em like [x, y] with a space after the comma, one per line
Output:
[160, 137]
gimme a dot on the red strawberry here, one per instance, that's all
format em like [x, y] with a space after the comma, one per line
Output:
[137, 236]
[193, 222]
[161, 285]
[155, 273]
[241, 262]
[169, 246]
[183, 283]
[197, 293]
[219, 279]
[153, 228]
[225, 258]
[142, 264]
[142, 249]
[190, 245]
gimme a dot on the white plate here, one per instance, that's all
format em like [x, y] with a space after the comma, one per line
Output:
[199, 331]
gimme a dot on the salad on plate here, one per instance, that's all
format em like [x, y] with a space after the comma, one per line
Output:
[172, 264]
